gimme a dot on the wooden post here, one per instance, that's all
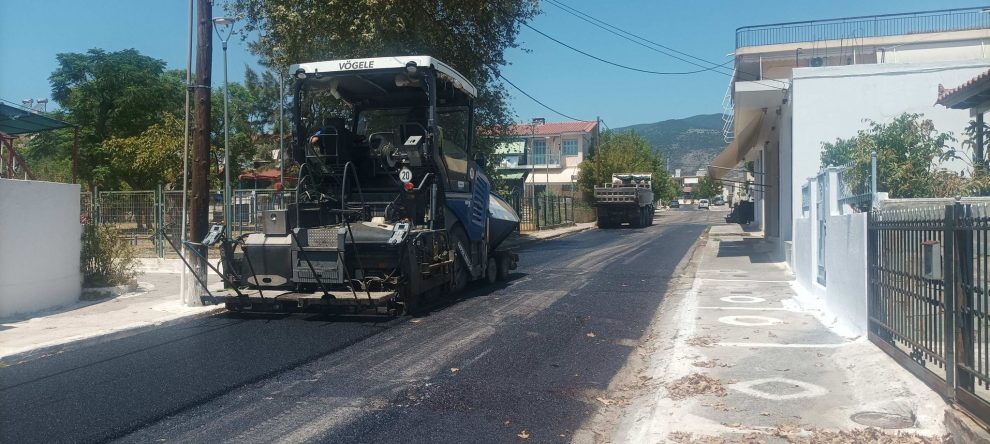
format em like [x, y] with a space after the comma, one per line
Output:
[200, 192]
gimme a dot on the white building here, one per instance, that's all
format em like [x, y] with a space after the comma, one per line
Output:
[797, 85]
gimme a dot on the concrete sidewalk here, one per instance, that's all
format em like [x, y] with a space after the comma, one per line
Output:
[733, 357]
[155, 303]
[517, 239]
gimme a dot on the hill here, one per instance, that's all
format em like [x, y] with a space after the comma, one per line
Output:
[688, 143]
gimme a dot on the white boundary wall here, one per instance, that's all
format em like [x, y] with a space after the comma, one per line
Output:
[39, 246]
[846, 268]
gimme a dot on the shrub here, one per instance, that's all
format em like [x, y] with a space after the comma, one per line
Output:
[106, 259]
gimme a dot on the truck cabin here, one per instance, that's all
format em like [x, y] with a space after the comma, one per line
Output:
[380, 138]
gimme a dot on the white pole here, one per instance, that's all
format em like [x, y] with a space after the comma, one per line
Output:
[186, 293]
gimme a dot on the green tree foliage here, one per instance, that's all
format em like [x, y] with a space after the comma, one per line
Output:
[910, 151]
[469, 35]
[625, 153]
[110, 95]
[708, 188]
[150, 158]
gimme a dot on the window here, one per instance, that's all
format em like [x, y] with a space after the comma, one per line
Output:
[569, 147]
[567, 187]
[539, 151]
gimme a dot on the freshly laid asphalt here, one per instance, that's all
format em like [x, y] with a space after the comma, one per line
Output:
[528, 355]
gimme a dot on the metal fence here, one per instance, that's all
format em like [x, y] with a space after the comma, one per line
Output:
[929, 296]
[855, 193]
[945, 20]
[139, 215]
[541, 212]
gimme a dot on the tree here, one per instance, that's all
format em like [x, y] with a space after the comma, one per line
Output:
[625, 153]
[112, 95]
[909, 154]
[708, 188]
[470, 35]
[151, 158]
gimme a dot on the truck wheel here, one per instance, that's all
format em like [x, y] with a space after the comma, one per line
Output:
[491, 271]
[637, 221]
[503, 268]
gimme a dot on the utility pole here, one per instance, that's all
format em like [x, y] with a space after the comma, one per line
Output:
[598, 143]
[199, 208]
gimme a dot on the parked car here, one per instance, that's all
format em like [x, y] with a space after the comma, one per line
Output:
[675, 204]
[718, 201]
[703, 204]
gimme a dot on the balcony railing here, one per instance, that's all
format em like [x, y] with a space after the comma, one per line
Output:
[946, 20]
[538, 160]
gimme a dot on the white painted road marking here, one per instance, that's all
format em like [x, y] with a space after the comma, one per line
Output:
[742, 299]
[809, 390]
[749, 321]
[750, 308]
[774, 345]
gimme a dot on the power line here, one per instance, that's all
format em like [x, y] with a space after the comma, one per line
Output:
[536, 100]
[618, 64]
[605, 26]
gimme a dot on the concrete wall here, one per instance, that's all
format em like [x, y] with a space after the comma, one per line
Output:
[846, 266]
[39, 246]
[804, 247]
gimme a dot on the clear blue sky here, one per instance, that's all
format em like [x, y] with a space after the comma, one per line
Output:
[33, 31]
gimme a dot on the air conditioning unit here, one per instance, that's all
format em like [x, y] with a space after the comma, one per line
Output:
[817, 61]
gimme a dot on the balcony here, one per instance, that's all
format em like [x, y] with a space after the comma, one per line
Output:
[851, 28]
[532, 161]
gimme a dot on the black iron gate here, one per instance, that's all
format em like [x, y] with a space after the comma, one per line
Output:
[929, 270]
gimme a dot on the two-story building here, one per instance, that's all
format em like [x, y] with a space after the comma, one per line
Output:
[797, 85]
[544, 156]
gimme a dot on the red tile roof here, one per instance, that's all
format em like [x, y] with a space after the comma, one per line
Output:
[551, 128]
[957, 97]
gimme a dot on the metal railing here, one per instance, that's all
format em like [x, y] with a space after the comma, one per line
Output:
[929, 296]
[544, 211]
[945, 20]
[537, 160]
[855, 192]
[138, 216]
[805, 198]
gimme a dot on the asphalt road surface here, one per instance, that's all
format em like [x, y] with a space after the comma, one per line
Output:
[529, 355]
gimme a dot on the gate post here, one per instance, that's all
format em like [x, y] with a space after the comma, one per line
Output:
[949, 291]
[963, 275]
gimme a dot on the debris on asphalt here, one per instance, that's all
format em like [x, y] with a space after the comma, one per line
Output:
[695, 384]
[523, 435]
[703, 341]
[711, 363]
[590, 334]
[795, 435]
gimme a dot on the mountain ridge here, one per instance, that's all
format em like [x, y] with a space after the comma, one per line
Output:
[689, 143]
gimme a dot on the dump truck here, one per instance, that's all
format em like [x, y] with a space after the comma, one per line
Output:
[627, 199]
[391, 207]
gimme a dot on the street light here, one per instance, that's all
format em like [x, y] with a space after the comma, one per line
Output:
[224, 27]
